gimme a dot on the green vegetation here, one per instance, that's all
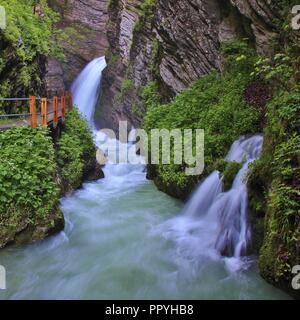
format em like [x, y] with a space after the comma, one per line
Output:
[126, 86]
[28, 191]
[156, 58]
[229, 174]
[274, 187]
[27, 170]
[76, 151]
[112, 59]
[26, 40]
[216, 104]
[34, 173]
[146, 13]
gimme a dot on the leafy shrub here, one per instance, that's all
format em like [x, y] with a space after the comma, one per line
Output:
[277, 71]
[274, 189]
[27, 170]
[76, 150]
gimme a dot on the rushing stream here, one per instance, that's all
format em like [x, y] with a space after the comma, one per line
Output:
[126, 240]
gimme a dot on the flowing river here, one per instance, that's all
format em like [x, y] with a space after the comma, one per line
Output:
[126, 240]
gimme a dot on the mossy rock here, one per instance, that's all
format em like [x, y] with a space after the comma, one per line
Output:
[229, 174]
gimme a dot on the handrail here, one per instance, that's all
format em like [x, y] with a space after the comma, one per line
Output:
[58, 106]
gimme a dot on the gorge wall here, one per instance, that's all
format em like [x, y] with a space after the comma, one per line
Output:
[84, 27]
[175, 43]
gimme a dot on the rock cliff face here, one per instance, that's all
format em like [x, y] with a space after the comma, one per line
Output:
[83, 23]
[175, 43]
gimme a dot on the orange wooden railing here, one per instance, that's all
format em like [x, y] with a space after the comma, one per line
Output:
[51, 111]
[60, 107]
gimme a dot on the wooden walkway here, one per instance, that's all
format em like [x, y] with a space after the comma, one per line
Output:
[41, 111]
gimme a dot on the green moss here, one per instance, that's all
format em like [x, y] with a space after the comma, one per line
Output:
[126, 86]
[229, 174]
[156, 58]
[146, 12]
[113, 59]
[274, 190]
[112, 4]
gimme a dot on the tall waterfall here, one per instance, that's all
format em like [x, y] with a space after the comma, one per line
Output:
[215, 223]
[85, 88]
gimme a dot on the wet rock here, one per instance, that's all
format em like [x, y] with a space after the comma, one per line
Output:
[87, 41]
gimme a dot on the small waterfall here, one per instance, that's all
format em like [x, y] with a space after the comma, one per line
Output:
[214, 223]
[85, 88]
[234, 234]
[205, 195]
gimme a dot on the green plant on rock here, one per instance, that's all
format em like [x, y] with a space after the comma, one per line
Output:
[146, 12]
[229, 174]
[76, 150]
[274, 191]
[278, 70]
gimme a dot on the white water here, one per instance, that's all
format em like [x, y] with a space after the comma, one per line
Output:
[215, 224]
[122, 241]
[85, 89]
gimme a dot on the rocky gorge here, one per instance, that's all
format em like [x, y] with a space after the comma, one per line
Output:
[230, 67]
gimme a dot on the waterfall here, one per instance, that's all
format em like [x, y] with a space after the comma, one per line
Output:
[234, 234]
[205, 195]
[214, 223]
[86, 88]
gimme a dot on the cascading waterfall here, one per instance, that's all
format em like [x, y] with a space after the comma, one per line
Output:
[85, 88]
[234, 235]
[214, 223]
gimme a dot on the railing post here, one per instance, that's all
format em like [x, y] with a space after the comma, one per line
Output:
[63, 107]
[32, 107]
[55, 111]
[70, 101]
[44, 112]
